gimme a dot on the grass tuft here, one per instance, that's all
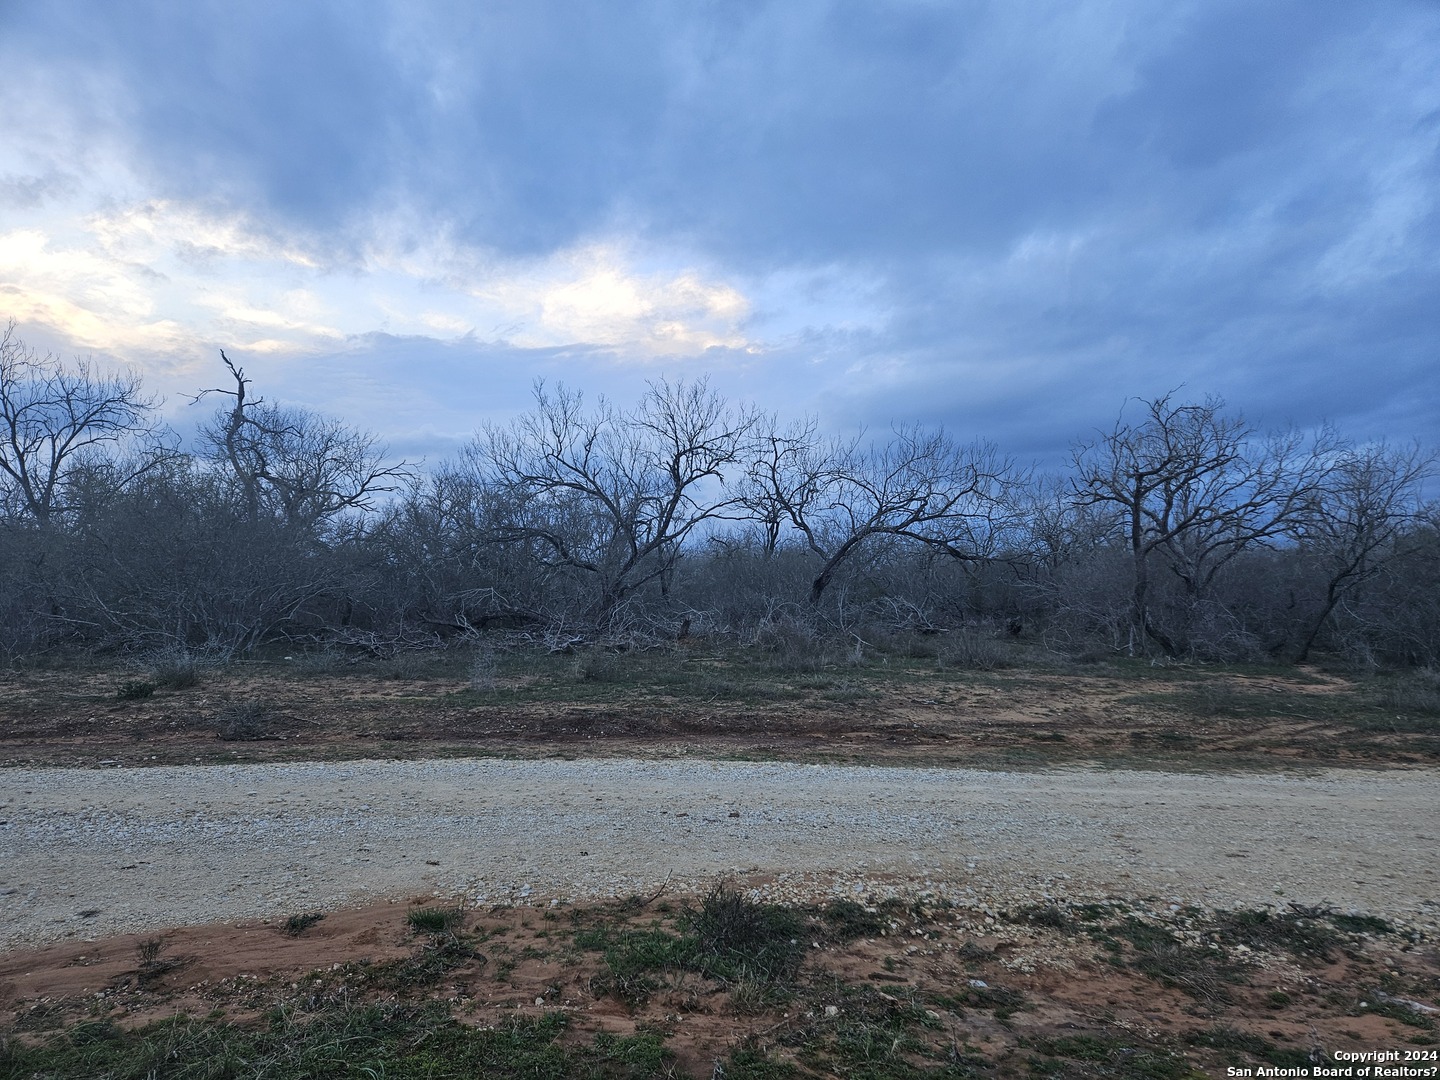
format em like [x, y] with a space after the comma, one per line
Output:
[436, 920]
[296, 925]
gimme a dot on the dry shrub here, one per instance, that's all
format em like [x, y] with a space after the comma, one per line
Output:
[974, 650]
[245, 721]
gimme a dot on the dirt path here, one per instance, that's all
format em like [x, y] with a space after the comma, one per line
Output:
[85, 852]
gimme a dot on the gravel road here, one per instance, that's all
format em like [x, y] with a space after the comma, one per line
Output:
[84, 853]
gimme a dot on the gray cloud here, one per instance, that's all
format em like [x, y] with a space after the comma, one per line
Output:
[1059, 205]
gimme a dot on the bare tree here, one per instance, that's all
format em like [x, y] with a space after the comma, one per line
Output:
[302, 468]
[1351, 524]
[54, 418]
[787, 472]
[1190, 485]
[612, 494]
[920, 486]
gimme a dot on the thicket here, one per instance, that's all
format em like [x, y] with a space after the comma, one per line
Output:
[1180, 532]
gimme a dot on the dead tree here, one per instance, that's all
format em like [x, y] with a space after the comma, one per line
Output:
[295, 466]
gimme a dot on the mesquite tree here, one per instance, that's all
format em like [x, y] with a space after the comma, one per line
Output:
[920, 486]
[1191, 487]
[613, 494]
[54, 418]
[1352, 525]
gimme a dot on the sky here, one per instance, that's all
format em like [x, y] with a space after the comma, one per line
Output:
[1006, 218]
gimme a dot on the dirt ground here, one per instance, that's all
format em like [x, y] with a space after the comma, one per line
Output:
[1008, 720]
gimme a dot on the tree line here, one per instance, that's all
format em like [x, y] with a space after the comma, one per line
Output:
[1179, 532]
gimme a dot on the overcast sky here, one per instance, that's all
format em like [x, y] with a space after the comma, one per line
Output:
[1005, 217]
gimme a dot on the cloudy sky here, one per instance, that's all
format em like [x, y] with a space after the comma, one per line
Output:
[1006, 217]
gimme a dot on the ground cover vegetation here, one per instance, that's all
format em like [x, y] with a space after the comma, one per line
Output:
[1180, 533]
[723, 985]
[960, 700]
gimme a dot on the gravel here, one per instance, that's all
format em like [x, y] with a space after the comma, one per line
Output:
[86, 852]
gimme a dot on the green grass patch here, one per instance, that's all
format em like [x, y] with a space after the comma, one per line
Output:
[1299, 934]
[871, 1034]
[1256, 1048]
[847, 920]
[1102, 1055]
[393, 1041]
[435, 920]
[746, 946]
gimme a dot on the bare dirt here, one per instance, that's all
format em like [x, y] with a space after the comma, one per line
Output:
[1008, 719]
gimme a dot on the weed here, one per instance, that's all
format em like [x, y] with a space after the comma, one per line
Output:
[847, 920]
[481, 675]
[1140, 934]
[791, 647]
[1220, 699]
[1232, 1039]
[247, 721]
[1105, 1054]
[598, 666]
[972, 650]
[981, 995]
[376, 1040]
[1047, 915]
[436, 920]
[1416, 694]
[1201, 973]
[867, 1033]
[152, 965]
[135, 690]
[739, 939]
[322, 662]
[296, 925]
[148, 951]
[717, 688]
[1298, 934]
[434, 960]
[754, 949]
[408, 666]
[1359, 924]
[634, 960]
[747, 1063]
[43, 1016]
[1381, 1004]
[174, 669]
[1204, 974]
